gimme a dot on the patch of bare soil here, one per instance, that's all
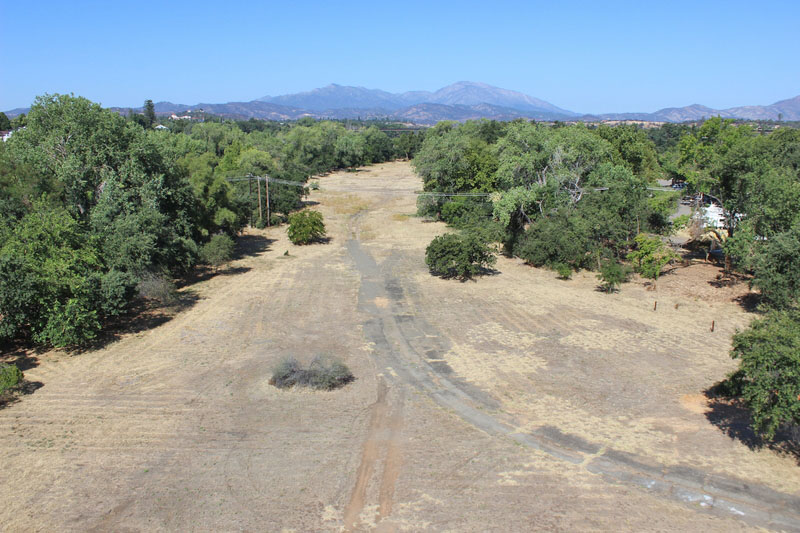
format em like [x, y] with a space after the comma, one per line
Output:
[175, 427]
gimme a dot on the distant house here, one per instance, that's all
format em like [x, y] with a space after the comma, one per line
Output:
[161, 127]
[182, 117]
[5, 134]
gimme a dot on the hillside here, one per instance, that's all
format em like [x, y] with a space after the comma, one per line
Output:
[464, 100]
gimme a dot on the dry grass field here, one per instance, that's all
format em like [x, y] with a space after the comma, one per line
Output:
[519, 402]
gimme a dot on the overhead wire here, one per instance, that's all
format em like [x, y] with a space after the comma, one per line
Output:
[404, 193]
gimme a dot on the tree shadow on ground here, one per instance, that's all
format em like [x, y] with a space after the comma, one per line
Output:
[308, 203]
[142, 315]
[750, 302]
[201, 274]
[18, 352]
[23, 388]
[484, 271]
[727, 279]
[25, 358]
[250, 245]
[600, 288]
[489, 271]
[733, 418]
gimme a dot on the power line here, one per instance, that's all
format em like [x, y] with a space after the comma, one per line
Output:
[415, 193]
[269, 179]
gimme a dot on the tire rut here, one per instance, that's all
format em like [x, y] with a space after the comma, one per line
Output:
[383, 438]
[386, 328]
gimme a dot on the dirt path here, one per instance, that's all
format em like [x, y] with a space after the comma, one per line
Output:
[477, 407]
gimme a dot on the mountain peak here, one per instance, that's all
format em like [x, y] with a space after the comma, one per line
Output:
[334, 96]
[462, 100]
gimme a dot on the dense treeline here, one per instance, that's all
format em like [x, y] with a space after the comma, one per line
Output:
[573, 197]
[94, 206]
[561, 196]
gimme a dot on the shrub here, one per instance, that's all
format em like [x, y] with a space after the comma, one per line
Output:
[458, 256]
[324, 373]
[564, 270]
[117, 289]
[71, 323]
[463, 212]
[681, 222]
[287, 373]
[306, 227]
[276, 219]
[651, 256]
[218, 250]
[158, 288]
[560, 238]
[328, 373]
[429, 206]
[10, 376]
[612, 275]
[19, 292]
[769, 352]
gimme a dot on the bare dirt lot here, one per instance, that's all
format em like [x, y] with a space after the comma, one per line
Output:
[516, 403]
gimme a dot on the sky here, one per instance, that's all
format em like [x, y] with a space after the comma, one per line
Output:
[592, 57]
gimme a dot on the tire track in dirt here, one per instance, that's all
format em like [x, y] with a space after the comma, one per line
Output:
[383, 438]
[393, 349]
[393, 461]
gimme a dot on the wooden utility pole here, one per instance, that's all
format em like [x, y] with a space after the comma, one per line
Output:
[266, 188]
[260, 214]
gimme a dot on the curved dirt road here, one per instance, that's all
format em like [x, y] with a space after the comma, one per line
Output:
[517, 403]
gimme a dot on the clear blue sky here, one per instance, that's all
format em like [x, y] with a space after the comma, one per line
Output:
[594, 56]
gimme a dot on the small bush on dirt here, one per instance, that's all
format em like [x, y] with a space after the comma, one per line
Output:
[564, 270]
[10, 376]
[217, 251]
[158, 288]
[324, 373]
[651, 255]
[458, 256]
[276, 219]
[306, 227]
[329, 373]
[612, 275]
[287, 373]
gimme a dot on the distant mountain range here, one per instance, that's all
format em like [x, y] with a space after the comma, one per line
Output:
[460, 101]
[463, 93]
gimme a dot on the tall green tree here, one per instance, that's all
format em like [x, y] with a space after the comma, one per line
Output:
[456, 162]
[149, 113]
[769, 352]
[50, 280]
